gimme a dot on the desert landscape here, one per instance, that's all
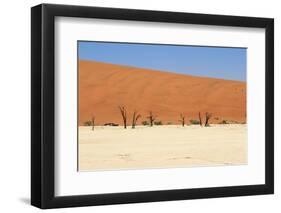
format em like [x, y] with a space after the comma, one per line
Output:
[136, 118]
[103, 87]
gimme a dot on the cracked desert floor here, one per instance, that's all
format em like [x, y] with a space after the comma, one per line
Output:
[166, 146]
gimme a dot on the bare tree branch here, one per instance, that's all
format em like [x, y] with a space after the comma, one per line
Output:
[200, 119]
[136, 116]
[208, 116]
[182, 119]
[124, 115]
[93, 123]
[151, 118]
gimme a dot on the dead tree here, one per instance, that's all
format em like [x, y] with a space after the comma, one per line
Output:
[200, 119]
[93, 123]
[124, 115]
[136, 116]
[208, 116]
[151, 118]
[182, 119]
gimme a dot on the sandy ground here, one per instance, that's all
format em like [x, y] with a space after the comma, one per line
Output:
[114, 148]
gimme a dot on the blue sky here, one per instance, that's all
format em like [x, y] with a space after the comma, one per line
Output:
[214, 62]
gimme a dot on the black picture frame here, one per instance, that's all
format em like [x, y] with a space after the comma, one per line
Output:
[43, 110]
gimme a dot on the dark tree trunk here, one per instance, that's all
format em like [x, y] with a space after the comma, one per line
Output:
[182, 120]
[136, 116]
[124, 115]
[208, 116]
[93, 123]
[151, 118]
[200, 119]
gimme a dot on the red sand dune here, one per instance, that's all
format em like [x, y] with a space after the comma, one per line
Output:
[103, 87]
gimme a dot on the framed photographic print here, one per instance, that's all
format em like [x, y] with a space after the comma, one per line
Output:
[139, 106]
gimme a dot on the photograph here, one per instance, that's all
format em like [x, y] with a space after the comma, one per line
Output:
[138, 105]
[157, 106]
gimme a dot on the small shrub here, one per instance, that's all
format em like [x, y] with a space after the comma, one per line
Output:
[169, 123]
[158, 123]
[216, 118]
[111, 124]
[145, 123]
[194, 122]
[88, 123]
[223, 122]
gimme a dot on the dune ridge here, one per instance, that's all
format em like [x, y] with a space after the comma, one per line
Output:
[103, 87]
